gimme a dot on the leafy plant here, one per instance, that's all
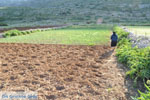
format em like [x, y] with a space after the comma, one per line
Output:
[138, 60]
[146, 95]
[11, 33]
[15, 32]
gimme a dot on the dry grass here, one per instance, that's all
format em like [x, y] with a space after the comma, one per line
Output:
[145, 30]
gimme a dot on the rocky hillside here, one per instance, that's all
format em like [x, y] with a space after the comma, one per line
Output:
[74, 11]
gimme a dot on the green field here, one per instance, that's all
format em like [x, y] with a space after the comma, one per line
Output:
[76, 35]
[145, 30]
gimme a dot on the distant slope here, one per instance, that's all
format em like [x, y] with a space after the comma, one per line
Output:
[75, 11]
[12, 2]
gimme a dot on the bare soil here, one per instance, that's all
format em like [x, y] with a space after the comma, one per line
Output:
[64, 72]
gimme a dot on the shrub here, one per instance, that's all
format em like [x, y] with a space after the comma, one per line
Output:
[120, 32]
[6, 35]
[14, 34]
[31, 31]
[17, 32]
[11, 33]
[28, 32]
[23, 33]
[3, 24]
[138, 60]
[38, 30]
[144, 96]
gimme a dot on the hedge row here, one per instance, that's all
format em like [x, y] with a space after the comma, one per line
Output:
[3, 24]
[138, 60]
[16, 32]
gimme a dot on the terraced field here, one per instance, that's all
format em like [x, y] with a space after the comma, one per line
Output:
[82, 67]
[76, 35]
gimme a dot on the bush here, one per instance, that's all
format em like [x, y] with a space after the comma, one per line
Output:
[38, 30]
[3, 24]
[28, 32]
[121, 33]
[144, 96]
[11, 33]
[6, 35]
[23, 33]
[138, 60]
[17, 32]
[14, 34]
[31, 31]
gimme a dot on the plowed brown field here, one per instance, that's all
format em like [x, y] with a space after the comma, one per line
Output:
[62, 72]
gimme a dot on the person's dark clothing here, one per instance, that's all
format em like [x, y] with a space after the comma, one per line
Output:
[113, 43]
[114, 39]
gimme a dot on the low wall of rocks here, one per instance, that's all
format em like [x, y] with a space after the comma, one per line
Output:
[141, 41]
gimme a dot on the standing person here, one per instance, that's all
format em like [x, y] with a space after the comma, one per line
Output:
[114, 39]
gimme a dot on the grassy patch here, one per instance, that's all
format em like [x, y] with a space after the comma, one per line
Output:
[76, 35]
[145, 30]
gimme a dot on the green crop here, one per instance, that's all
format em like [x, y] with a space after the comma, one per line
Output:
[138, 60]
[16, 32]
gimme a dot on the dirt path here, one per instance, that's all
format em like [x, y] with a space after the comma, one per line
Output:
[63, 72]
[117, 86]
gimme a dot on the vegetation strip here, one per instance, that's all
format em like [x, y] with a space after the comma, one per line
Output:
[72, 35]
[138, 60]
[16, 32]
[32, 28]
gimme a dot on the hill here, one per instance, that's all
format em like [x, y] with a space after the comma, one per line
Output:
[48, 12]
